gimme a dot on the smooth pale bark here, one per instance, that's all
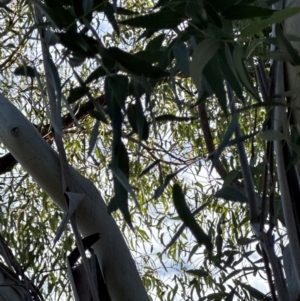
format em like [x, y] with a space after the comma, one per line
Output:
[291, 26]
[42, 163]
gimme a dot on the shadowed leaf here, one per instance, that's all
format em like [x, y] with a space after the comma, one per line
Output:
[231, 194]
[188, 219]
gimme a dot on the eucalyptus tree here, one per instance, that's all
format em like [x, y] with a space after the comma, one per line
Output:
[184, 115]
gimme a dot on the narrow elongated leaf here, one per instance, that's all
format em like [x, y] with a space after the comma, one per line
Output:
[49, 13]
[229, 71]
[215, 79]
[134, 64]
[230, 296]
[254, 292]
[231, 128]
[232, 274]
[87, 242]
[231, 194]
[285, 46]
[195, 10]
[110, 15]
[25, 71]
[148, 168]
[242, 138]
[159, 190]
[56, 106]
[125, 11]
[193, 251]
[181, 229]
[202, 54]
[231, 176]
[219, 245]
[99, 72]
[93, 138]
[242, 11]
[87, 5]
[164, 19]
[229, 261]
[71, 112]
[215, 296]
[125, 183]
[121, 158]
[116, 89]
[170, 117]
[188, 219]
[181, 54]
[272, 135]
[141, 121]
[276, 17]
[156, 43]
[60, 14]
[74, 200]
[80, 43]
[241, 70]
[99, 116]
[149, 56]
[77, 93]
[138, 121]
[119, 88]
[198, 273]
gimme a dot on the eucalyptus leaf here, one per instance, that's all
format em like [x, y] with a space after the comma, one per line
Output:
[125, 183]
[278, 16]
[155, 43]
[188, 219]
[77, 93]
[138, 121]
[202, 54]
[148, 168]
[159, 190]
[215, 79]
[96, 74]
[230, 130]
[231, 194]
[198, 273]
[181, 54]
[285, 46]
[159, 20]
[110, 15]
[254, 292]
[238, 59]
[242, 11]
[135, 65]
[93, 138]
[272, 135]
[25, 71]
[99, 115]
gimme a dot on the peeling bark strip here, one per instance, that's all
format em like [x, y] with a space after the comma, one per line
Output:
[42, 163]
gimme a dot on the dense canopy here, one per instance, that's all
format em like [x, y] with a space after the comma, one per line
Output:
[183, 114]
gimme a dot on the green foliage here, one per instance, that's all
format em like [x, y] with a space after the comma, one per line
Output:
[150, 93]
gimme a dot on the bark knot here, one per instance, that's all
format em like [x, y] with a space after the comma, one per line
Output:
[14, 130]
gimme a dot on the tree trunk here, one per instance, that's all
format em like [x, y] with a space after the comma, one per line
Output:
[42, 163]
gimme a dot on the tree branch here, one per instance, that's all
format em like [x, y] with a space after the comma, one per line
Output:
[42, 163]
